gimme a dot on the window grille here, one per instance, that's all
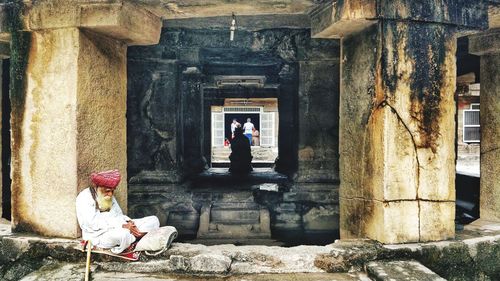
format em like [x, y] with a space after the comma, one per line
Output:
[217, 129]
[267, 129]
[472, 125]
[242, 109]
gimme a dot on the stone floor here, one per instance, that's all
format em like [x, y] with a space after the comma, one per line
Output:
[473, 255]
[260, 154]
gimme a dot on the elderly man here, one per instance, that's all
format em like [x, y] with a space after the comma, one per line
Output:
[101, 218]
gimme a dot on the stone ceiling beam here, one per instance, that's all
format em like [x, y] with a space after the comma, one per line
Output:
[121, 20]
[342, 18]
[176, 9]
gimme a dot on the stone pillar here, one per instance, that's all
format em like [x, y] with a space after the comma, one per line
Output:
[487, 45]
[4, 54]
[397, 157]
[288, 121]
[318, 112]
[193, 126]
[68, 95]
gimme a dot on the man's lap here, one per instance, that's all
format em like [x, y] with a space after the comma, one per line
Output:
[114, 236]
[147, 224]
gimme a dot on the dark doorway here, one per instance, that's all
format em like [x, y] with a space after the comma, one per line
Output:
[6, 182]
[242, 119]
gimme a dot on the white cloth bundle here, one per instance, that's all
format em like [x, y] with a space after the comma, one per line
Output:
[157, 241]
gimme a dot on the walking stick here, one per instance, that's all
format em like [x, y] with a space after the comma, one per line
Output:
[87, 264]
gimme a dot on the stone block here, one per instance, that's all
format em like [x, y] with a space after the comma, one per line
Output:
[485, 43]
[121, 20]
[337, 19]
[315, 49]
[490, 186]
[321, 219]
[12, 249]
[437, 220]
[234, 216]
[393, 222]
[317, 193]
[468, 14]
[400, 164]
[401, 270]
[209, 263]
[353, 215]
[437, 173]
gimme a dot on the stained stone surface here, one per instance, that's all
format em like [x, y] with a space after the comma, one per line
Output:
[397, 132]
[401, 270]
[340, 19]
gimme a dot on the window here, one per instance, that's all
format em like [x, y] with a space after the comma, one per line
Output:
[472, 127]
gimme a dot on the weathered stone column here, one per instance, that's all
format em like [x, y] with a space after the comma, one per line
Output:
[4, 54]
[318, 112]
[192, 112]
[68, 99]
[397, 158]
[487, 45]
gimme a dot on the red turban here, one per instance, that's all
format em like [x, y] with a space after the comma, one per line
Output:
[109, 179]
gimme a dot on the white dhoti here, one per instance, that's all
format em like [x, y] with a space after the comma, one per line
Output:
[105, 229]
[119, 239]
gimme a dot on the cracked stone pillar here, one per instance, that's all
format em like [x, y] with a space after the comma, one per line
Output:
[68, 95]
[397, 156]
[487, 45]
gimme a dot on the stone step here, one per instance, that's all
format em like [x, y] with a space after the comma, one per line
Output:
[234, 216]
[401, 271]
[221, 178]
[222, 231]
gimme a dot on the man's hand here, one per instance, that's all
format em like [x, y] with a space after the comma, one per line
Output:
[130, 225]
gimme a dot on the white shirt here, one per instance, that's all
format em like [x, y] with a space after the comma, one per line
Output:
[94, 222]
[248, 127]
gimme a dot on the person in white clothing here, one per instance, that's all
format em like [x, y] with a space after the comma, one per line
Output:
[101, 218]
[233, 127]
[248, 129]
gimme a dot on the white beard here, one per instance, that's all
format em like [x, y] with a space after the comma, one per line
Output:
[105, 202]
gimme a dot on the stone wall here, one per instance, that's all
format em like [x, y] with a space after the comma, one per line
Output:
[169, 92]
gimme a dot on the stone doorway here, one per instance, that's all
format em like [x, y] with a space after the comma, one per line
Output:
[265, 118]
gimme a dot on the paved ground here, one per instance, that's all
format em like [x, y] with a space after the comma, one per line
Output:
[468, 167]
[473, 255]
[70, 272]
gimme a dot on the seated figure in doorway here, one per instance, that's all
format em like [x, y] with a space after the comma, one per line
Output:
[101, 218]
[241, 154]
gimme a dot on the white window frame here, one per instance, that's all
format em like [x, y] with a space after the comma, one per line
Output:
[273, 129]
[240, 110]
[470, 126]
[214, 136]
